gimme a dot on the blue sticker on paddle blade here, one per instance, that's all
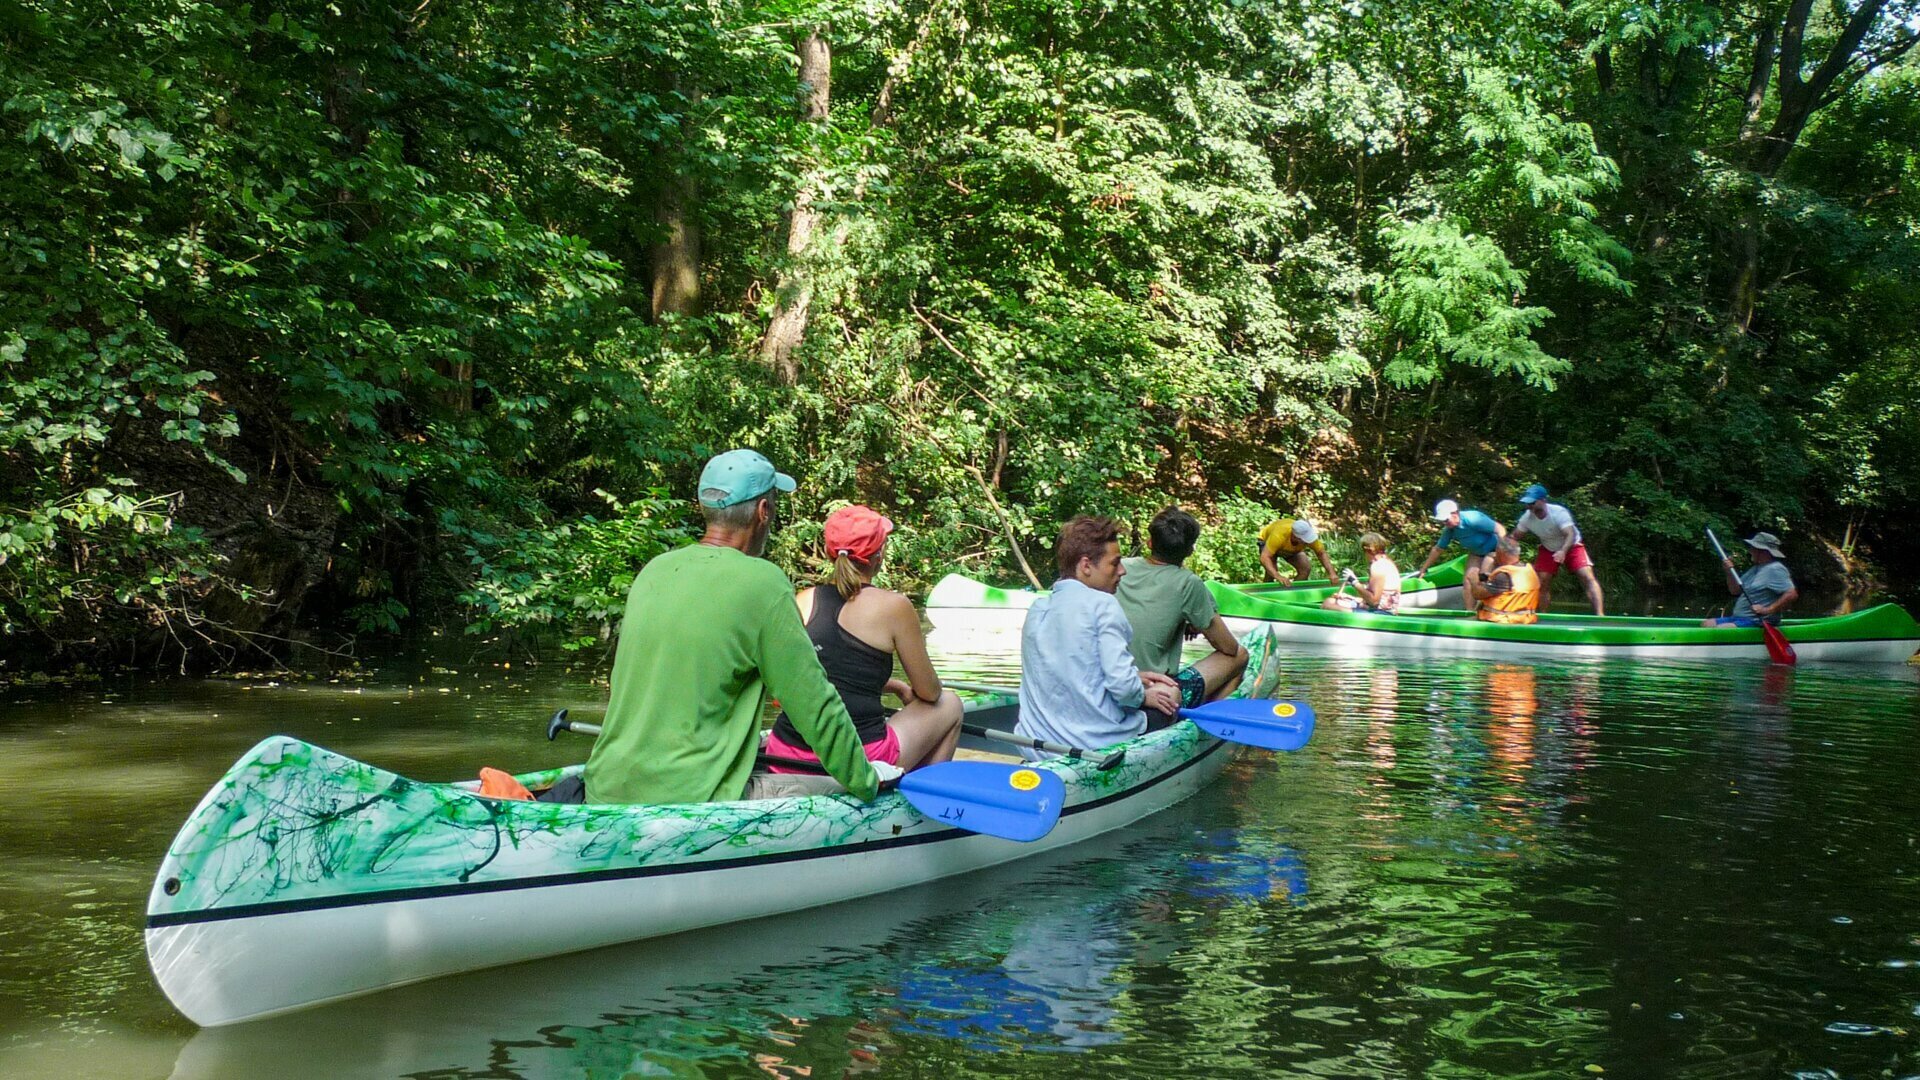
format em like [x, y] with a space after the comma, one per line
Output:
[1014, 802]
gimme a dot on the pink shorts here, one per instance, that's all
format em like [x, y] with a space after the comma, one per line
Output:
[885, 748]
[1546, 565]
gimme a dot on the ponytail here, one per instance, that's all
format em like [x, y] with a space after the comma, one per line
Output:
[847, 577]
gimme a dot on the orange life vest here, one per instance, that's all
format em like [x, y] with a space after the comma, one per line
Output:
[1517, 603]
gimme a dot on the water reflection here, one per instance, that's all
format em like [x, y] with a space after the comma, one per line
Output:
[1036, 958]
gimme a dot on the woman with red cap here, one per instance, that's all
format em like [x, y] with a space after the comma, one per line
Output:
[857, 630]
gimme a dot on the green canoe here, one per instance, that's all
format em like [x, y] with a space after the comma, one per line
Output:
[959, 603]
[1881, 634]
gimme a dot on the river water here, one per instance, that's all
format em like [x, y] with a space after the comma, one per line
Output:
[1475, 870]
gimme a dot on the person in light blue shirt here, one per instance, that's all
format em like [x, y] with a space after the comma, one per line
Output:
[1478, 533]
[1079, 684]
[1764, 590]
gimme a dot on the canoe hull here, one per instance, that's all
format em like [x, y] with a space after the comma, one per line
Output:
[225, 971]
[1358, 641]
[305, 876]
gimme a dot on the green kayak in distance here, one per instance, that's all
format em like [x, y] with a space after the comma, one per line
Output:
[1885, 633]
[960, 603]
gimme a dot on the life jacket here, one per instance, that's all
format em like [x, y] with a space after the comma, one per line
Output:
[1517, 603]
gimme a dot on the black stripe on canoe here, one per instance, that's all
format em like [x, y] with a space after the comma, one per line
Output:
[430, 892]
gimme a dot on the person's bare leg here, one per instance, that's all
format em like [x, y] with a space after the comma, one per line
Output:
[1592, 585]
[1300, 566]
[1221, 672]
[928, 733]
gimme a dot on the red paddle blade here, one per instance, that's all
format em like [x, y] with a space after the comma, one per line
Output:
[1778, 650]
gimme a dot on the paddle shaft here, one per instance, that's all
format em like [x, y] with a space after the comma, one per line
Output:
[560, 723]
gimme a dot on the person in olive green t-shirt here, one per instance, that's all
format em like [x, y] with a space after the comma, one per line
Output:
[710, 629]
[1164, 602]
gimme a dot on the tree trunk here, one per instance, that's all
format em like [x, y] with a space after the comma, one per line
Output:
[1799, 98]
[676, 258]
[793, 289]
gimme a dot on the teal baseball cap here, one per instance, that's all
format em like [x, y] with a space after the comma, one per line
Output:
[1533, 494]
[738, 475]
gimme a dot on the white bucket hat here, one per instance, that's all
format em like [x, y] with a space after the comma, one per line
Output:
[1767, 542]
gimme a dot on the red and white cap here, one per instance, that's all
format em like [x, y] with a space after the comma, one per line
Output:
[859, 531]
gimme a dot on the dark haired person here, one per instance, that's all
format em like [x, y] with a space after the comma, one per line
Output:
[1165, 603]
[710, 630]
[858, 629]
[1079, 684]
[1509, 592]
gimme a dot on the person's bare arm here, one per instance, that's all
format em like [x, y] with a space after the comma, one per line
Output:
[1786, 600]
[1734, 588]
[1325, 563]
[1375, 588]
[1432, 557]
[1222, 639]
[1266, 560]
[910, 644]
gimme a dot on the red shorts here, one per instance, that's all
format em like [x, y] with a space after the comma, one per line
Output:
[1546, 565]
[885, 748]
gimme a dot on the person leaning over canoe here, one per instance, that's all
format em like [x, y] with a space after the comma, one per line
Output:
[1291, 538]
[1560, 543]
[1079, 684]
[857, 629]
[709, 630]
[1380, 594]
[1472, 530]
[1511, 590]
[1764, 591]
[1164, 602]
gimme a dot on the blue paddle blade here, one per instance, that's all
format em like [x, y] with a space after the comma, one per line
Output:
[1014, 802]
[1269, 725]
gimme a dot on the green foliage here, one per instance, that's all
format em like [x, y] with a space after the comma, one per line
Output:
[341, 314]
[570, 575]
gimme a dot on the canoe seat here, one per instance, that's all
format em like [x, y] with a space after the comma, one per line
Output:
[970, 754]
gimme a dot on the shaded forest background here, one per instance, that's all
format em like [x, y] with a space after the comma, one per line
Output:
[328, 319]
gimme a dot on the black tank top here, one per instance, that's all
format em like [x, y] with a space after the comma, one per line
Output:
[856, 669]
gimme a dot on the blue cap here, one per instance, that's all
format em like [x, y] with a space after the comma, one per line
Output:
[738, 475]
[1533, 494]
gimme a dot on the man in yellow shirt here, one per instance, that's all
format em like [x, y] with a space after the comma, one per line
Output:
[1291, 539]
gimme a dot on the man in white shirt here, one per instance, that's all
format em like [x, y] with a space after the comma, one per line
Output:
[1079, 684]
[1560, 545]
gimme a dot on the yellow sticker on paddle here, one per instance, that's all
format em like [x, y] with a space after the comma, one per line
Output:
[1285, 708]
[1024, 779]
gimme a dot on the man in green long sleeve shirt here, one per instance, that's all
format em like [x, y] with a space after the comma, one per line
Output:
[710, 629]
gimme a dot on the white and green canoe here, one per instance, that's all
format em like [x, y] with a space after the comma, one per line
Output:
[961, 604]
[1880, 634]
[305, 876]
